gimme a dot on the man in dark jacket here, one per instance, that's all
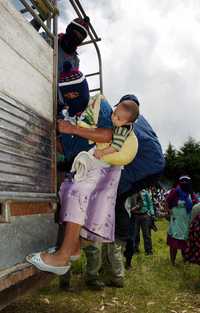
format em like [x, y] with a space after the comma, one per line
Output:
[143, 171]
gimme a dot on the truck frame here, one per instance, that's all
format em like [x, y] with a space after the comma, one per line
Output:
[28, 109]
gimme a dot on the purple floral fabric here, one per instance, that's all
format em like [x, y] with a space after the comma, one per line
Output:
[91, 203]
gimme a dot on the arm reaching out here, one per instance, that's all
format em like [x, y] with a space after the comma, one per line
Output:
[94, 134]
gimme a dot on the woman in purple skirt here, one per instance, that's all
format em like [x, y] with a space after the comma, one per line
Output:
[88, 199]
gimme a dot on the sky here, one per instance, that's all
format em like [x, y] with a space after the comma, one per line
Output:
[152, 49]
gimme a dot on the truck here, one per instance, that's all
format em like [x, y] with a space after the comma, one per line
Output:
[28, 109]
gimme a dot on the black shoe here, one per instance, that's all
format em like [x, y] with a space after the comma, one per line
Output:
[149, 253]
[128, 267]
[116, 283]
[64, 282]
[95, 284]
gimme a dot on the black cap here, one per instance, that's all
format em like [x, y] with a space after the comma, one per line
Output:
[131, 98]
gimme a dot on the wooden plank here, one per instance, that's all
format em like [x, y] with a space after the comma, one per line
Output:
[25, 40]
[26, 63]
[19, 280]
[25, 84]
[30, 208]
[15, 274]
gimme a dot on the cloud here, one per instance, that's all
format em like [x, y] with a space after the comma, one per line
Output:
[151, 48]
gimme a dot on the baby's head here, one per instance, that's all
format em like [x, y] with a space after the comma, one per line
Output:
[126, 112]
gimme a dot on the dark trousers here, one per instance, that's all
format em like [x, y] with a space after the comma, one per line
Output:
[143, 222]
[138, 222]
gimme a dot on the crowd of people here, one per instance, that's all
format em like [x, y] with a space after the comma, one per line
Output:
[107, 161]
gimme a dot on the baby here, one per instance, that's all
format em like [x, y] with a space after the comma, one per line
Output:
[122, 118]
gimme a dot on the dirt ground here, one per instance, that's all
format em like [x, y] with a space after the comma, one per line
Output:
[151, 286]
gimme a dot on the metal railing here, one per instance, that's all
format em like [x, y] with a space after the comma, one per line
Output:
[51, 14]
[93, 40]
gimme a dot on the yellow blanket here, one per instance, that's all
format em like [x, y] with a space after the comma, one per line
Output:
[129, 149]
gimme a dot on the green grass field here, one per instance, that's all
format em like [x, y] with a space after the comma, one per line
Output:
[152, 286]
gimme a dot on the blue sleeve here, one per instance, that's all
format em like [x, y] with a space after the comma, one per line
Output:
[105, 113]
[75, 144]
[148, 161]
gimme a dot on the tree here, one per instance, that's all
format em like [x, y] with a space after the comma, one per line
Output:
[171, 160]
[189, 160]
[184, 161]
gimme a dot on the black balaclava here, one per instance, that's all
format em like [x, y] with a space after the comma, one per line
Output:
[75, 33]
[185, 183]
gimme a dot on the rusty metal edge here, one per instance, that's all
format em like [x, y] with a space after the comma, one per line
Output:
[18, 280]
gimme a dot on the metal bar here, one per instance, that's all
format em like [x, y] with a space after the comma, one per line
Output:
[84, 15]
[89, 41]
[81, 13]
[51, 8]
[100, 67]
[96, 89]
[75, 8]
[5, 212]
[26, 196]
[49, 23]
[29, 8]
[23, 11]
[50, 41]
[55, 92]
[92, 74]
[78, 8]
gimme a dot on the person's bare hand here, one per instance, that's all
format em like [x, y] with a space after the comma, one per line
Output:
[65, 127]
[98, 154]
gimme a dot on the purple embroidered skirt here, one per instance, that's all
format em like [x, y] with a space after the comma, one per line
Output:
[91, 203]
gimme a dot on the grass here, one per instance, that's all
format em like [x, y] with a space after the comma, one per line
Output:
[152, 286]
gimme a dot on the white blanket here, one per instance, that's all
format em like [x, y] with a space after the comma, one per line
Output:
[85, 162]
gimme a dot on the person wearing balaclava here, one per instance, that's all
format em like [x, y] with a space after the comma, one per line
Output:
[68, 42]
[75, 34]
[180, 204]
